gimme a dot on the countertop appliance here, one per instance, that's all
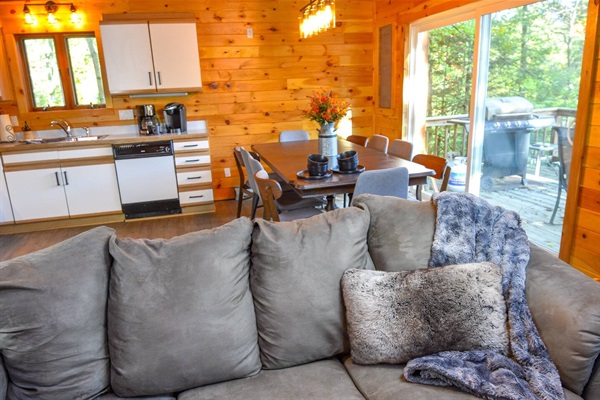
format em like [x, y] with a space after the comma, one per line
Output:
[147, 179]
[175, 118]
[148, 123]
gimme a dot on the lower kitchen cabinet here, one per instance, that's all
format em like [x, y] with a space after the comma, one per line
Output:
[194, 177]
[6, 214]
[62, 184]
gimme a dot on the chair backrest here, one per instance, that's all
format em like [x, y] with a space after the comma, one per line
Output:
[357, 139]
[565, 151]
[269, 190]
[252, 167]
[401, 148]
[438, 164]
[239, 163]
[384, 182]
[379, 143]
[293, 136]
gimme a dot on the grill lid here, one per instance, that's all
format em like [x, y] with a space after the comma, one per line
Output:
[510, 107]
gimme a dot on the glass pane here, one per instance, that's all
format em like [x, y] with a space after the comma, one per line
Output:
[85, 70]
[44, 75]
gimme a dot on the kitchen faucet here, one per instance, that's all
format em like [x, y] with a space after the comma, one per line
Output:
[64, 126]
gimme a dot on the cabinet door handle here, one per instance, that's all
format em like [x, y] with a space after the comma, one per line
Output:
[66, 179]
[194, 177]
[191, 145]
[194, 160]
[150, 78]
[159, 80]
[199, 196]
[57, 180]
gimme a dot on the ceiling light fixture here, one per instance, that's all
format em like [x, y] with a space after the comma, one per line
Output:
[50, 8]
[317, 16]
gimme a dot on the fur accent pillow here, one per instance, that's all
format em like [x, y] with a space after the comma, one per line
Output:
[394, 317]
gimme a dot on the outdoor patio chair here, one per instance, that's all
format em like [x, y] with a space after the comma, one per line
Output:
[441, 168]
[565, 151]
[274, 200]
[379, 143]
[293, 136]
[383, 182]
[357, 139]
[401, 148]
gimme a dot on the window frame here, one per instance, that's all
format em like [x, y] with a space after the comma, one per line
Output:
[64, 68]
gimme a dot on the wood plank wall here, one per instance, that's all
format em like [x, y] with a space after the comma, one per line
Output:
[252, 87]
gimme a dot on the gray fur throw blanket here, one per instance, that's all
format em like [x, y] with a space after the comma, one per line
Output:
[469, 229]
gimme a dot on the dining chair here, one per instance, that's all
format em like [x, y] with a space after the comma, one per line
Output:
[383, 182]
[441, 168]
[273, 199]
[401, 149]
[289, 200]
[245, 191]
[565, 151]
[357, 139]
[379, 143]
[293, 136]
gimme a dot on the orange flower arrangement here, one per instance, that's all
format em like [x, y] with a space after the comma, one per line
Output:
[326, 108]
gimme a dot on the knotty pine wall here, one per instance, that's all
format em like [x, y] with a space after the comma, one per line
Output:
[581, 229]
[262, 82]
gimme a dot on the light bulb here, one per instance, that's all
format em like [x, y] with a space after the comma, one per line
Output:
[51, 18]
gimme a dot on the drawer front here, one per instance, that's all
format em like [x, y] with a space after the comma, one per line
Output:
[84, 153]
[196, 196]
[192, 160]
[14, 158]
[192, 145]
[194, 177]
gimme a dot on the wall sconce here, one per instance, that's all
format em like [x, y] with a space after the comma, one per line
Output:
[317, 16]
[50, 8]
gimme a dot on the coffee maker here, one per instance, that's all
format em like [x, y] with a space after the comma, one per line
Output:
[148, 123]
[175, 119]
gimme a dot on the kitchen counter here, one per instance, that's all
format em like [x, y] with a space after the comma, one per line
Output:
[108, 140]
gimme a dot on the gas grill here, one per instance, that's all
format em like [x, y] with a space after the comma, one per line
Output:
[509, 122]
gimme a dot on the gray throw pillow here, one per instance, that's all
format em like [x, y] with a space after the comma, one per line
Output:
[296, 275]
[400, 232]
[53, 319]
[394, 317]
[180, 312]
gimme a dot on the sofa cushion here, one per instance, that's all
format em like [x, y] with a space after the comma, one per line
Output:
[325, 379]
[564, 307]
[386, 382]
[394, 317]
[400, 231]
[53, 319]
[180, 311]
[296, 274]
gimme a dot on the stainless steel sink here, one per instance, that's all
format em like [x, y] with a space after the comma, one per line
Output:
[67, 139]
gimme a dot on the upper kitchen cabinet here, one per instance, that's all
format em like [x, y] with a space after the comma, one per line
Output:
[150, 56]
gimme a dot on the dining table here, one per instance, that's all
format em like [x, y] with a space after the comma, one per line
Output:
[289, 161]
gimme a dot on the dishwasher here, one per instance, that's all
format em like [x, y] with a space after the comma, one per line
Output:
[147, 179]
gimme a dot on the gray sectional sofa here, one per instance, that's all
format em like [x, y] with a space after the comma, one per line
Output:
[249, 310]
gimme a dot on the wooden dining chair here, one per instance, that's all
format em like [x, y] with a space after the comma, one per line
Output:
[357, 139]
[274, 200]
[293, 136]
[401, 149]
[383, 182]
[441, 168]
[245, 191]
[379, 143]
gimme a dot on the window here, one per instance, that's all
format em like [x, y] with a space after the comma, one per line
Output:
[63, 71]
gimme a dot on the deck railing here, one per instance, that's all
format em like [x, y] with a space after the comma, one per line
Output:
[447, 138]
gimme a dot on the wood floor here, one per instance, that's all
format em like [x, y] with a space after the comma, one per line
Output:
[12, 246]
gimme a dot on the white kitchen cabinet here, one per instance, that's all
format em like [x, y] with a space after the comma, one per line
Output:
[194, 175]
[58, 184]
[37, 194]
[6, 213]
[151, 56]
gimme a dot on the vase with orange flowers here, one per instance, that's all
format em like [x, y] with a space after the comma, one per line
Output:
[327, 109]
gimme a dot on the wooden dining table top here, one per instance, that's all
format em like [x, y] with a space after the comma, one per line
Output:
[286, 159]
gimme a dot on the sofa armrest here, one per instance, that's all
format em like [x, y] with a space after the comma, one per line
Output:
[3, 380]
[564, 305]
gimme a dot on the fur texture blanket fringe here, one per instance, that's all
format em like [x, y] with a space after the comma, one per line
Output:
[469, 229]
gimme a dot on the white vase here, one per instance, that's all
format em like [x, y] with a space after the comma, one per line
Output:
[328, 143]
